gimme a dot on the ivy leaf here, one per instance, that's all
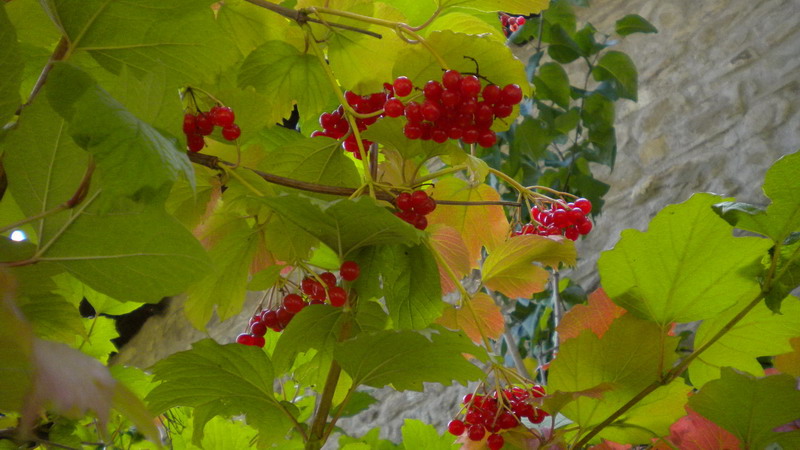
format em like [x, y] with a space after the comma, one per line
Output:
[344, 225]
[478, 317]
[182, 36]
[695, 432]
[11, 66]
[133, 159]
[628, 356]
[509, 267]
[751, 408]
[597, 316]
[552, 83]
[418, 434]
[411, 288]
[225, 380]
[634, 23]
[225, 286]
[447, 242]
[517, 7]
[760, 333]
[480, 226]
[686, 267]
[405, 359]
[618, 69]
[286, 75]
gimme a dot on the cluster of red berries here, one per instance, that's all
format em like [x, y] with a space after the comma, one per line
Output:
[196, 126]
[414, 207]
[497, 413]
[334, 124]
[455, 108]
[566, 219]
[313, 293]
[511, 23]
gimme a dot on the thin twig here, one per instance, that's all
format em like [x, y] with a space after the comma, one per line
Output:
[301, 17]
[58, 55]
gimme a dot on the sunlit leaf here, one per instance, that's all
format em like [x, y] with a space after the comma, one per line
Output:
[479, 225]
[751, 408]
[510, 268]
[521, 7]
[478, 317]
[448, 243]
[687, 266]
[597, 316]
[790, 362]
[695, 432]
[411, 286]
[11, 66]
[418, 434]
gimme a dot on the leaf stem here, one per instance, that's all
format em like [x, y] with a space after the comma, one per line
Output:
[301, 17]
[58, 54]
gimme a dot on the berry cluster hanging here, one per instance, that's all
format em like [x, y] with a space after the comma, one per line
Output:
[197, 126]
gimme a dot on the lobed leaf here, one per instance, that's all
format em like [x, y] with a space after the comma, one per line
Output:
[447, 242]
[411, 287]
[509, 267]
[695, 432]
[597, 315]
[478, 317]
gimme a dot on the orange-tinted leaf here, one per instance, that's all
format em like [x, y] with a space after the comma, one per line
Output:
[480, 226]
[596, 316]
[608, 445]
[510, 268]
[790, 362]
[488, 314]
[448, 243]
[695, 432]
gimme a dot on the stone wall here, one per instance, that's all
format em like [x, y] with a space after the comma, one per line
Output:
[719, 102]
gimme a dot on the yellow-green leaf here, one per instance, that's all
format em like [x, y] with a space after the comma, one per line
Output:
[478, 317]
[510, 268]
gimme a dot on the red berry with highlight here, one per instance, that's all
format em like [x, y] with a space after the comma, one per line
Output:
[337, 296]
[231, 132]
[402, 86]
[456, 427]
[222, 116]
[495, 442]
[393, 108]
[350, 270]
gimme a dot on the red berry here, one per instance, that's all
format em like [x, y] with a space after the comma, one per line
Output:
[426, 207]
[412, 131]
[507, 421]
[421, 222]
[584, 227]
[433, 90]
[470, 86]
[203, 124]
[491, 93]
[402, 86]
[189, 124]
[259, 341]
[521, 20]
[431, 111]
[270, 318]
[418, 198]
[450, 98]
[439, 135]
[284, 317]
[403, 202]
[337, 296]
[413, 112]
[451, 79]
[195, 142]
[471, 135]
[584, 205]
[502, 110]
[244, 339]
[294, 303]
[328, 278]
[495, 442]
[222, 116]
[258, 329]
[476, 432]
[487, 138]
[231, 132]
[456, 427]
[350, 270]
[572, 233]
[511, 94]
[393, 108]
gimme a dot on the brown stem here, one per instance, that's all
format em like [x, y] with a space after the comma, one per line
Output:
[213, 162]
[58, 55]
[301, 17]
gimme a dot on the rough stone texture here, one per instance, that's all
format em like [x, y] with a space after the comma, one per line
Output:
[719, 102]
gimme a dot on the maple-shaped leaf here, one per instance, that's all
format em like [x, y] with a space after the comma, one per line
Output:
[555, 402]
[596, 316]
[447, 242]
[695, 432]
[226, 380]
[479, 317]
[752, 408]
[480, 226]
[510, 268]
[790, 362]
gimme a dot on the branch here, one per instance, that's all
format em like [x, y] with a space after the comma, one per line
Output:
[301, 17]
[58, 55]
[213, 162]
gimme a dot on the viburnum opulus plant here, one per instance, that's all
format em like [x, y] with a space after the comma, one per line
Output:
[141, 159]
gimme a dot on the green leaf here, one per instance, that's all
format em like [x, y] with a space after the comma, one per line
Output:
[418, 434]
[788, 267]
[250, 27]
[517, 7]
[265, 279]
[531, 138]
[760, 333]
[628, 356]
[618, 69]
[317, 160]
[75, 291]
[11, 66]
[634, 23]
[16, 350]
[358, 402]
[751, 408]
[411, 287]
[562, 47]
[469, 22]
[315, 327]
[564, 123]
[552, 83]
[97, 340]
[225, 380]
[284, 74]
[389, 132]
[560, 13]
[405, 359]
[686, 267]
[52, 317]
[182, 36]
[133, 159]
[369, 441]
[598, 112]
[344, 225]
[226, 285]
